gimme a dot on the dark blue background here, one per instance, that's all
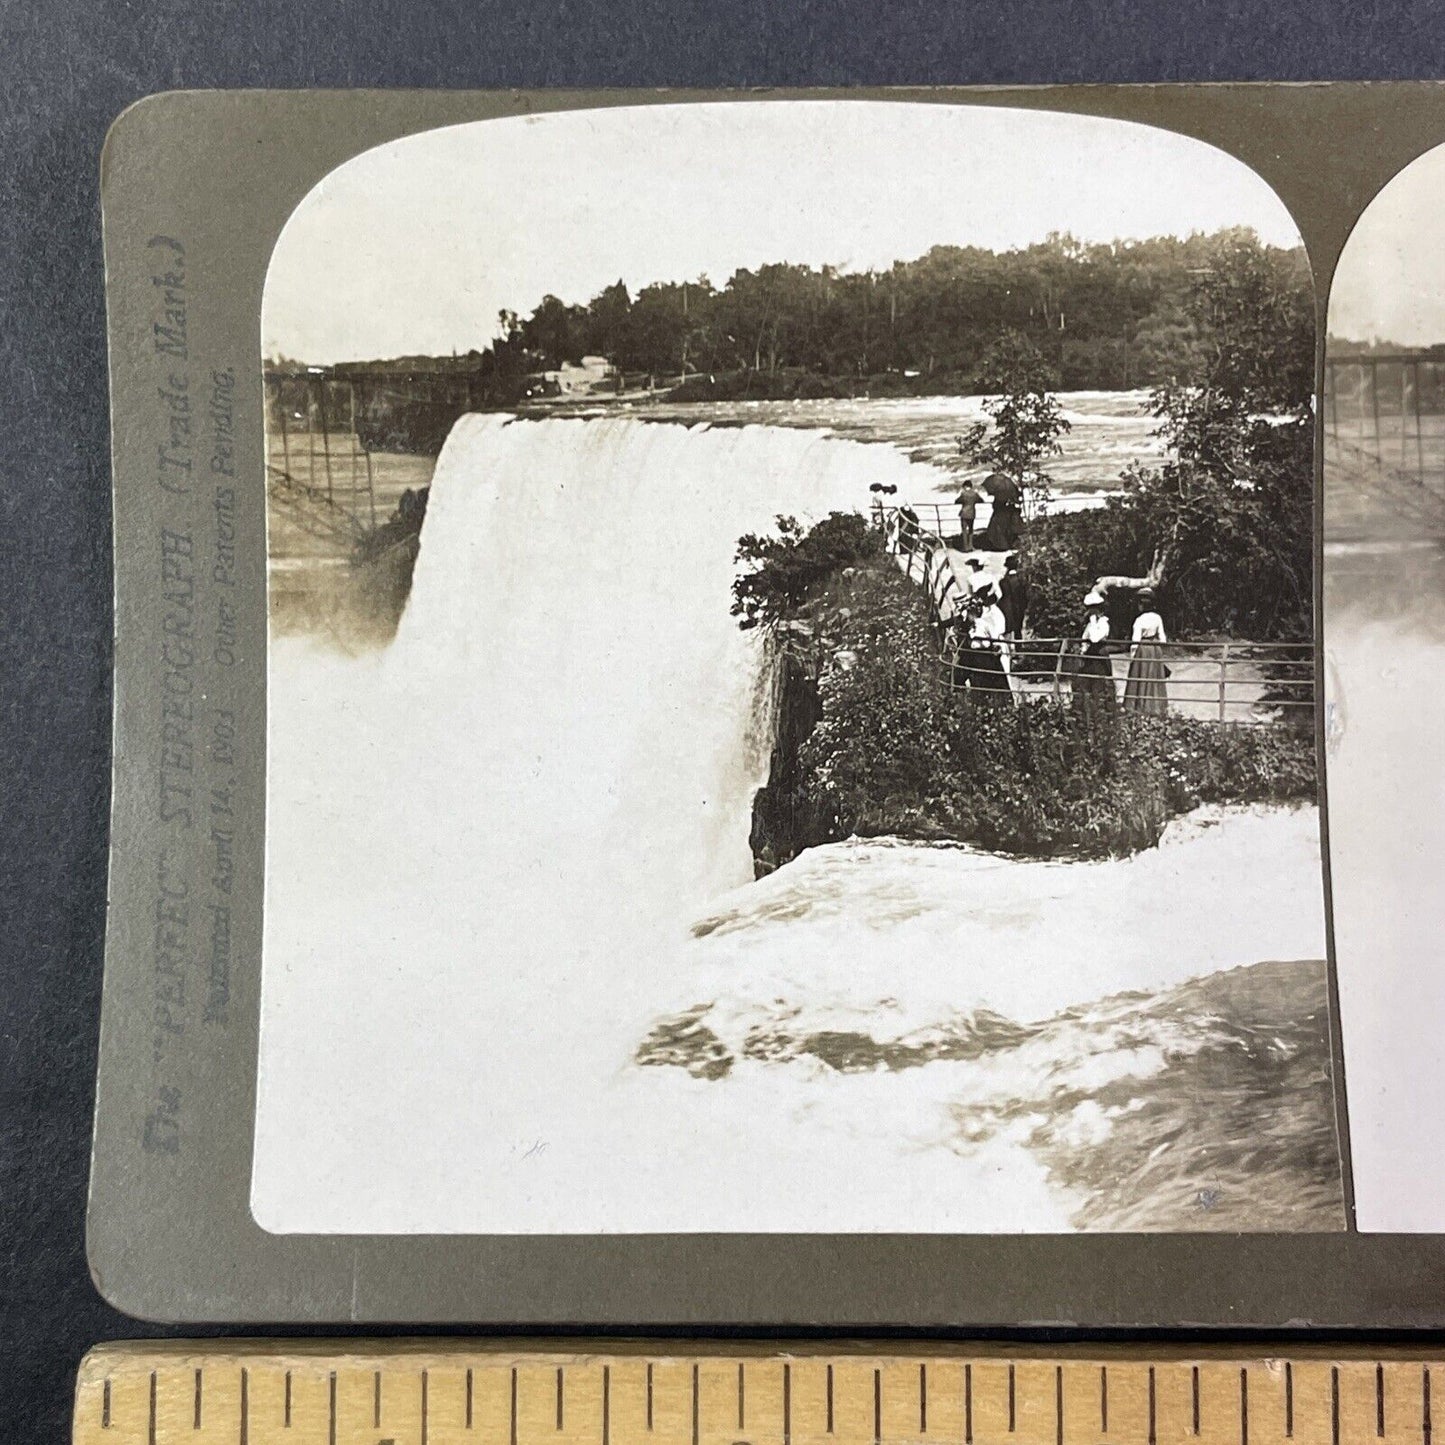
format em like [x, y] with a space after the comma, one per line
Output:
[66, 71]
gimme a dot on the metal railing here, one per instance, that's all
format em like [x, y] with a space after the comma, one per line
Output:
[1226, 680]
[935, 520]
[1231, 680]
[1391, 406]
[939, 521]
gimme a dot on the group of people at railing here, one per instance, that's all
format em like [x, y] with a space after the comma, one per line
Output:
[1093, 678]
[983, 640]
[983, 632]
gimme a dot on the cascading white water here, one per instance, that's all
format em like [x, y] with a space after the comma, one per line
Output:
[582, 691]
[487, 847]
[547, 776]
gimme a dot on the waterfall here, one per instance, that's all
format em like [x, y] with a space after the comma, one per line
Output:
[488, 846]
[579, 680]
[549, 773]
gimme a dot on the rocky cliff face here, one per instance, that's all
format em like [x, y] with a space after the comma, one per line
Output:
[783, 820]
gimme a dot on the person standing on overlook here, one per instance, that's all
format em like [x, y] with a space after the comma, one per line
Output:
[968, 500]
[1145, 690]
[987, 656]
[1094, 681]
[1006, 522]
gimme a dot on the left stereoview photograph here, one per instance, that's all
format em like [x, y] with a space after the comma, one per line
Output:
[791, 683]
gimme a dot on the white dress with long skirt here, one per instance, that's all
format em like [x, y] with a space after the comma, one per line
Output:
[1146, 690]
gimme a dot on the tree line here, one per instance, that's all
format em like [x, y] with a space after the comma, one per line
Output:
[1222, 528]
[1105, 316]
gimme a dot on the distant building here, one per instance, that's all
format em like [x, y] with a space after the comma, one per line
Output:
[592, 373]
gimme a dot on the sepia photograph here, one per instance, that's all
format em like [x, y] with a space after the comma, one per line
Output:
[1384, 632]
[791, 677]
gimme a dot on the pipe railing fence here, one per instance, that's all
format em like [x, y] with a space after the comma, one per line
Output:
[1228, 680]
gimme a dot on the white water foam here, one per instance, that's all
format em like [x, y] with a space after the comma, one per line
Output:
[487, 846]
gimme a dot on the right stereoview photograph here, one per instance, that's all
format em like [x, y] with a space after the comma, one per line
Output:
[1384, 634]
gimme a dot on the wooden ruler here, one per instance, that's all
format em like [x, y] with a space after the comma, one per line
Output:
[438, 1392]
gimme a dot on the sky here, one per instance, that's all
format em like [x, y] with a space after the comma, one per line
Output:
[1390, 282]
[414, 247]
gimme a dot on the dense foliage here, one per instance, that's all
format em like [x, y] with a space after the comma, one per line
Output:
[1101, 315]
[1226, 524]
[786, 572]
[898, 753]
[895, 751]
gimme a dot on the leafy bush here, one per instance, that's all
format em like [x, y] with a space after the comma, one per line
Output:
[897, 753]
[1203, 762]
[876, 751]
[894, 751]
[1062, 555]
[1226, 522]
[787, 572]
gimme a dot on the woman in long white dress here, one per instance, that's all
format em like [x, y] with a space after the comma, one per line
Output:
[987, 656]
[1094, 681]
[1146, 690]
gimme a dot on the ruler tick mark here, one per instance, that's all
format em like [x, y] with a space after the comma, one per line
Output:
[787, 1404]
[187, 1393]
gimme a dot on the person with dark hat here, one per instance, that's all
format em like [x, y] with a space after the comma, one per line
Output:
[1006, 521]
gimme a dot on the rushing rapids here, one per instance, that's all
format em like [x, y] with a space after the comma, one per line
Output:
[517, 978]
